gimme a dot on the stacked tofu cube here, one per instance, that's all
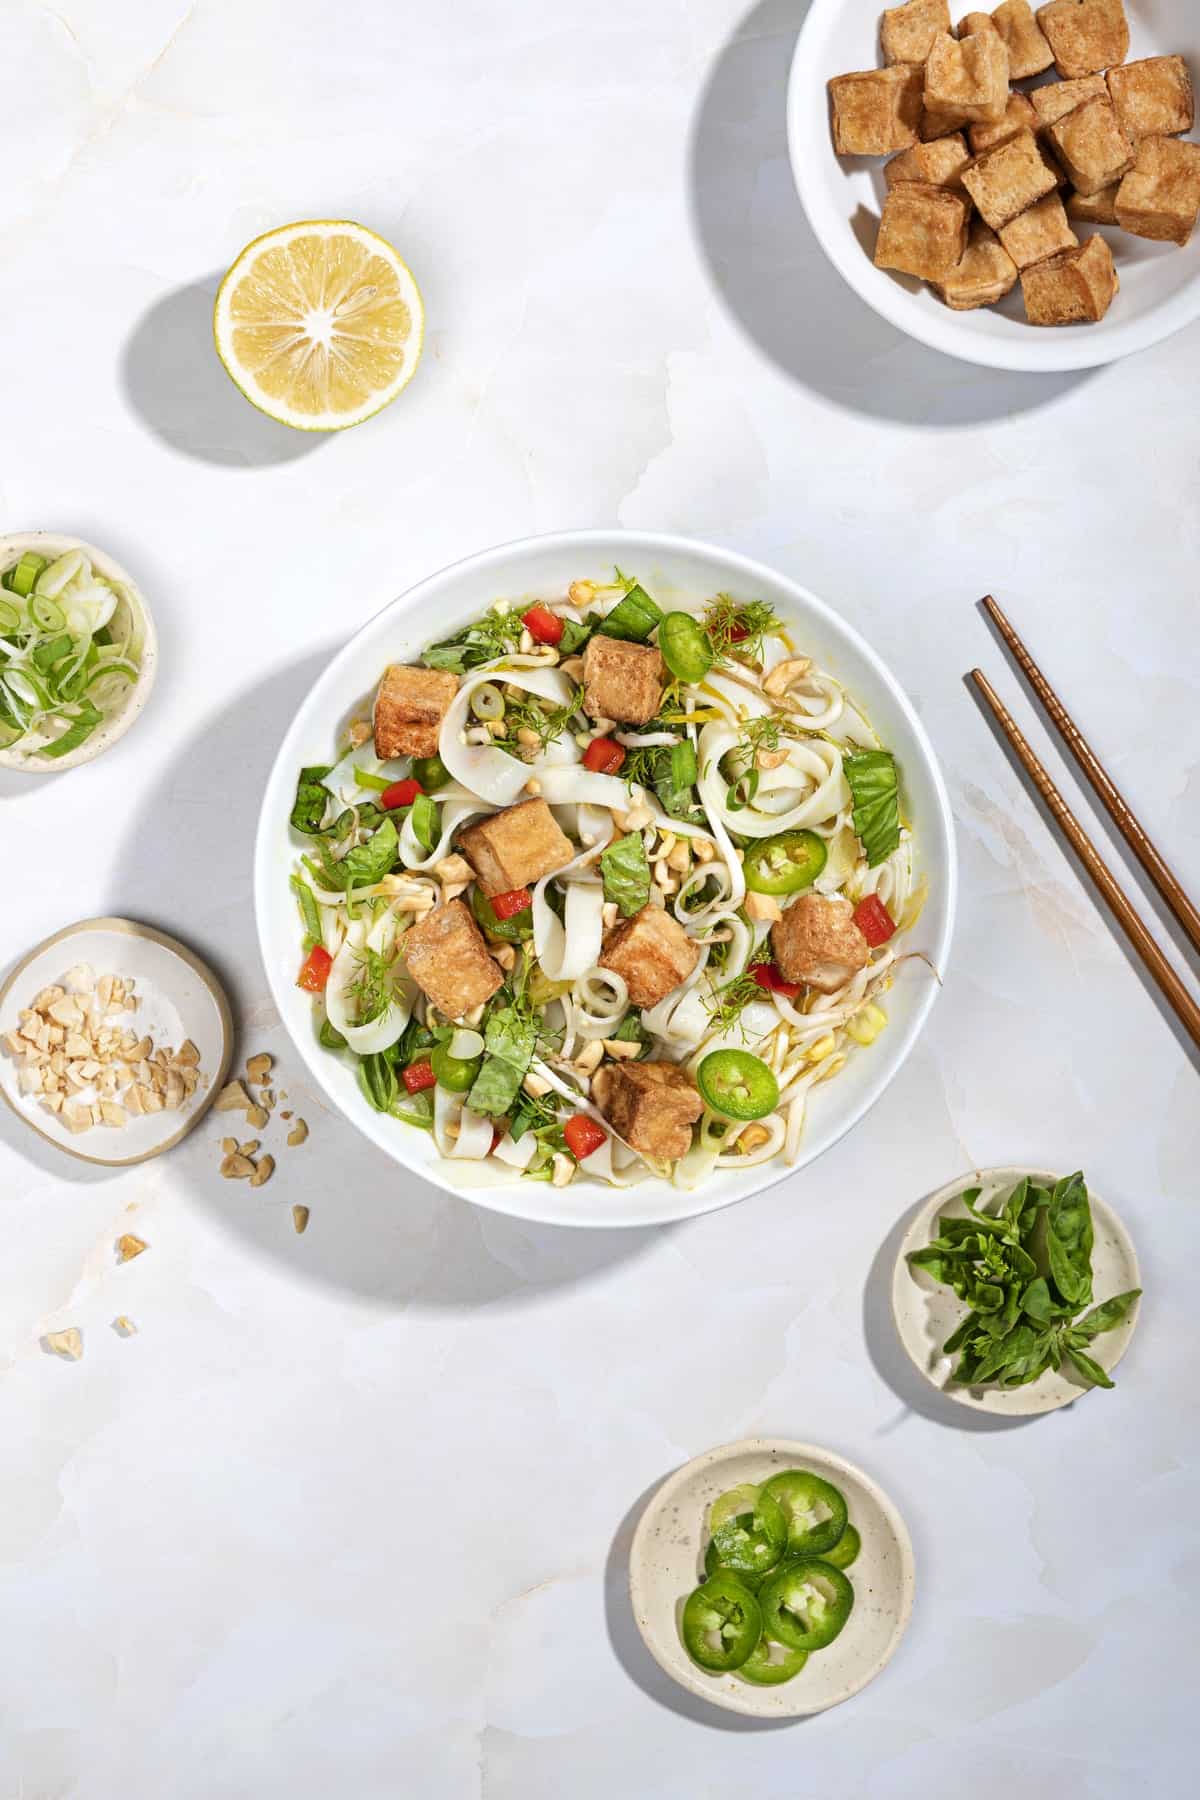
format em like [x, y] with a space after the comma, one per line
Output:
[987, 181]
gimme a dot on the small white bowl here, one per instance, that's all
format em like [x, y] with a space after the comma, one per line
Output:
[1160, 283]
[131, 606]
[180, 998]
[666, 1563]
[926, 1312]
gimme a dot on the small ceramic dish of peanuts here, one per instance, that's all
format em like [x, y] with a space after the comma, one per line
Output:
[114, 1040]
[1017, 185]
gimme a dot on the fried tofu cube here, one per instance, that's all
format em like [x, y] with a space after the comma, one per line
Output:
[652, 952]
[877, 111]
[936, 124]
[409, 709]
[1058, 98]
[516, 847]
[621, 681]
[447, 958]
[974, 21]
[817, 942]
[1153, 98]
[1085, 35]
[968, 75]
[986, 273]
[1029, 53]
[1075, 287]
[932, 165]
[907, 32]
[1160, 197]
[1018, 116]
[1041, 231]
[1091, 145]
[1094, 209]
[1009, 179]
[652, 1105]
[923, 231]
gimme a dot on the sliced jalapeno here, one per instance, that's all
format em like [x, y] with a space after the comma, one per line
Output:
[457, 1073]
[770, 1664]
[431, 772]
[749, 1531]
[513, 930]
[806, 1604]
[815, 1511]
[846, 1550]
[738, 1085]
[785, 864]
[684, 647]
[712, 1566]
[721, 1623]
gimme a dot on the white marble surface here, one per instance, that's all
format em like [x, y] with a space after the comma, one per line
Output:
[349, 1515]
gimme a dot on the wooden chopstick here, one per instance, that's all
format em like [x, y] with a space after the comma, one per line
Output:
[1185, 1008]
[1167, 884]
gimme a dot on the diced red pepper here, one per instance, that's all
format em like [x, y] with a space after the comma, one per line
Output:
[874, 920]
[499, 1132]
[583, 1136]
[543, 625]
[768, 976]
[314, 971]
[401, 793]
[603, 756]
[515, 901]
[418, 1076]
[738, 634]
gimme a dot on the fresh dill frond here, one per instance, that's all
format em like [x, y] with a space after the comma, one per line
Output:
[738, 627]
[371, 989]
[524, 712]
[491, 636]
[725, 1004]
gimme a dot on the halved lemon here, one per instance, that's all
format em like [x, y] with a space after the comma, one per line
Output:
[320, 324]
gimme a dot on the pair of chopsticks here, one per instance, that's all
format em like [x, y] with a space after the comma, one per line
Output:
[1185, 1008]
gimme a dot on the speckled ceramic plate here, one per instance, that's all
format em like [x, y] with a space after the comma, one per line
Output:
[666, 1563]
[179, 997]
[926, 1313]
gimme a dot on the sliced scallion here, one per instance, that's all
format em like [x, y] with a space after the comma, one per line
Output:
[21, 577]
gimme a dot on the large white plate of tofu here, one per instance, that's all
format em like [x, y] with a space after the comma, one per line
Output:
[1019, 186]
[679, 574]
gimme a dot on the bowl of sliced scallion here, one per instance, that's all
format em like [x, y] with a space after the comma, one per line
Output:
[77, 651]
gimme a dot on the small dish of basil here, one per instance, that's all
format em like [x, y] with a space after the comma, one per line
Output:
[1016, 1291]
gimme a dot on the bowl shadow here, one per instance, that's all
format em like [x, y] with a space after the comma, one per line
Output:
[185, 863]
[776, 281]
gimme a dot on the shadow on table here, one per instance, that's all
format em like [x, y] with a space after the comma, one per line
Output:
[174, 380]
[777, 281]
[632, 1653]
[186, 865]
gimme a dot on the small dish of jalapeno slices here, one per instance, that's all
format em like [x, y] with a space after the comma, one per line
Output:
[772, 1578]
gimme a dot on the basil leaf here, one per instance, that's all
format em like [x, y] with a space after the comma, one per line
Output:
[626, 873]
[365, 864]
[875, 793]
[1105, 1317]
[310, 912]
[426, 821]
[329, 1037]
[575, 634]
[1038, 1304]
[377, 1079]
[87, 717]
[1090, 1371]
[308, 808]
[508, 1045]
[1069, 1238]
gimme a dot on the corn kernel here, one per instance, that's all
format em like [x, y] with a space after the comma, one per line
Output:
[867, 1023]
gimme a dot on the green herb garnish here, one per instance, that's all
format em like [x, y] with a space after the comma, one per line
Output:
[625, 870]
[875, 791]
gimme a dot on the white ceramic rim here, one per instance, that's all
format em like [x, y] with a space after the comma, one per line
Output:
[1049, 351]
[1002, 1403]
[199, 968]
[790, 1450]
[57, 543]
[519, 1199]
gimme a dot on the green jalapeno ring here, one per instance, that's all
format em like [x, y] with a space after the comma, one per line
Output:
[431, 772]
[785, 864]
[456, 1073]
[800, 1493]
[738, 1086]
[805, 1604]
[749, 1541]
[722, 1608]
[846, 1550]
[764, 1670]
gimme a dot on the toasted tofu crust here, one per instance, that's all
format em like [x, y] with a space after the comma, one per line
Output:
[652, 1105]
[1154, 97]
[923, 231]
[1160, 197]
[1074, 288]
[1007, 180]
[621, 681]
[447, 958]
[974, 21]
[907, 32]
[1057, 98]
[939, 164]
[1091, 145]
[409, 708]
[986, 273]
[818, 943]
[1094, 209]
[935, 124]
[968, 75]
[516, 847]
[652, 952]
[876, 111]
[1019, 115]
[1085, 35]
[1039, 232]
[1029, 53]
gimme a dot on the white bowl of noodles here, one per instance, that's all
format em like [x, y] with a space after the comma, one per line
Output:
[852, 697]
